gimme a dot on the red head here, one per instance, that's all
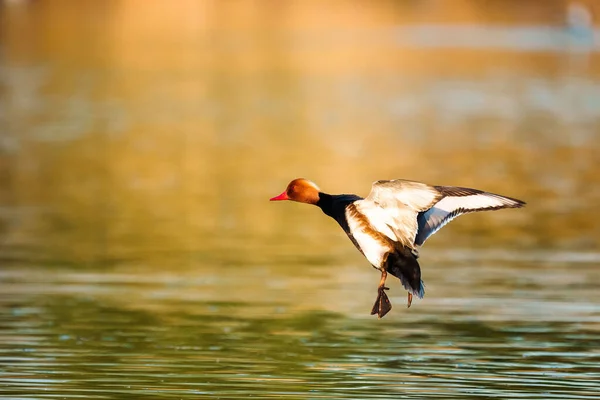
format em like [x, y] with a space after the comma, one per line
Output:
[301, 190]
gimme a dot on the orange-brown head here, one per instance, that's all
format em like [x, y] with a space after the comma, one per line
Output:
[300, 190]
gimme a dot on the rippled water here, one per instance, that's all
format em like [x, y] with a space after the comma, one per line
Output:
[486, 328]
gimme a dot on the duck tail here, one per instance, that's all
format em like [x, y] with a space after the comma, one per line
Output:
[403, 265]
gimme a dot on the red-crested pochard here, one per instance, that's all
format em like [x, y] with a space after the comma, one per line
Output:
[394, 220]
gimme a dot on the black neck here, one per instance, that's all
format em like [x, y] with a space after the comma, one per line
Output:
[325, 203]
[335, 205]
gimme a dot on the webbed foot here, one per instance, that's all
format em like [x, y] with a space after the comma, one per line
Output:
[382, 305]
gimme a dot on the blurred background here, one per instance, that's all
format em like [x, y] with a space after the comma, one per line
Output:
[140, 142]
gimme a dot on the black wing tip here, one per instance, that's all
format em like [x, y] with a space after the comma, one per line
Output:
[516, 203]
[458, 191]
[520, 204]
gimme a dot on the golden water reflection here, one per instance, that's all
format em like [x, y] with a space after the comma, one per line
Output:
[130, 132]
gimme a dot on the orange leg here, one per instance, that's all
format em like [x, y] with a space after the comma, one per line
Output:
[409, 300]
[382, 304]
[383, 278]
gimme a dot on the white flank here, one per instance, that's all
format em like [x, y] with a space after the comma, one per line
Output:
[380, 219]
[372, 248]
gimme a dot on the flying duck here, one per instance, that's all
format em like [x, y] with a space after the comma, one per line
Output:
[390, 225]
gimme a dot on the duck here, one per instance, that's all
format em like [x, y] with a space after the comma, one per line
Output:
[390, 225]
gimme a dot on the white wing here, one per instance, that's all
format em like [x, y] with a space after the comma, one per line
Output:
[457, 201]
[400, 193]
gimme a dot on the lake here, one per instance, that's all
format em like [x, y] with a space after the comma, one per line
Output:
[140, 256]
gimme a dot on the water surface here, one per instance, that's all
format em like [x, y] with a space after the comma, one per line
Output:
[485, 329]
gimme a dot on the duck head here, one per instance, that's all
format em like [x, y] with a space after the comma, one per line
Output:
[300, 190]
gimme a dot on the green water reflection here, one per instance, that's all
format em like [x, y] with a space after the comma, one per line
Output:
[126, 335]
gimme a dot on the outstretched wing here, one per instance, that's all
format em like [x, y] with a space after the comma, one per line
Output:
[456, 201]
[400, 193]
[392, 207]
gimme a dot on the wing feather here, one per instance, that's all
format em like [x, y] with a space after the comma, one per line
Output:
[457, 201]
[410, 212]
[416, 196]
